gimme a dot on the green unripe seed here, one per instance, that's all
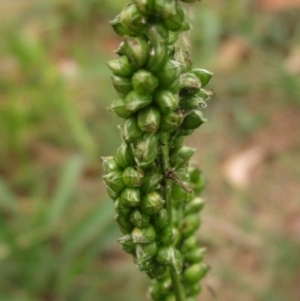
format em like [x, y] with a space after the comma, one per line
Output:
[144, 82]
[169, 73]
[158, 57]
[122, 208]
[193, 120]
[131, 197]
[151, 181]
[192, 102]
[193, 290]
[119, 108]
[195, 272]
[189, 225]
[145, 235]
[114, 180]
[149, 119]
[203, 75]
[195, 256]
[139, 219]
[133, 177]
[123, 85]
[146, 150]
[160, 220]
[182, 156]
[157, 271]
[166, 101]
[121, 66]
[124, 156]
[166, 235]
[189, 84]
[157, 32]
[189, 244]
[120, 28]
[137, 51]
[124, 224]
[170, 121]
[133, 18]
[175, 22]
[135, 101]
[109, 164]
[173, 37]
[165, 255]
[127, 243]
[151, 203]
[131, 132]
[165, 8]
[144, 252]
[145, 6]
[113, 194]
[195, 206]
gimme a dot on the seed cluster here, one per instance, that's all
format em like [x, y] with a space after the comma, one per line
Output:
[153, 187]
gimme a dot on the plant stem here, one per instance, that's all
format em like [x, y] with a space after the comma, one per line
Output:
[167, 194]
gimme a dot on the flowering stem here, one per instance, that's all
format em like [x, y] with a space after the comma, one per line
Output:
[177, 287]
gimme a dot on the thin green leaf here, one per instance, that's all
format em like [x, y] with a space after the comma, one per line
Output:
[89, 229]
[7, 200]
[62, 196]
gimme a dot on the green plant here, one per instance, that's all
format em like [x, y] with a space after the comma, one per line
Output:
[149, 178]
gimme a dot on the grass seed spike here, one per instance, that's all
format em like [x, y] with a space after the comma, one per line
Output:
[155, 190]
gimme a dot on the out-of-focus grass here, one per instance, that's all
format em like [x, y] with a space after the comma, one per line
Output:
[57, 238]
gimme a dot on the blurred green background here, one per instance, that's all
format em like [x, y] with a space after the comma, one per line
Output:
[57, 235]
